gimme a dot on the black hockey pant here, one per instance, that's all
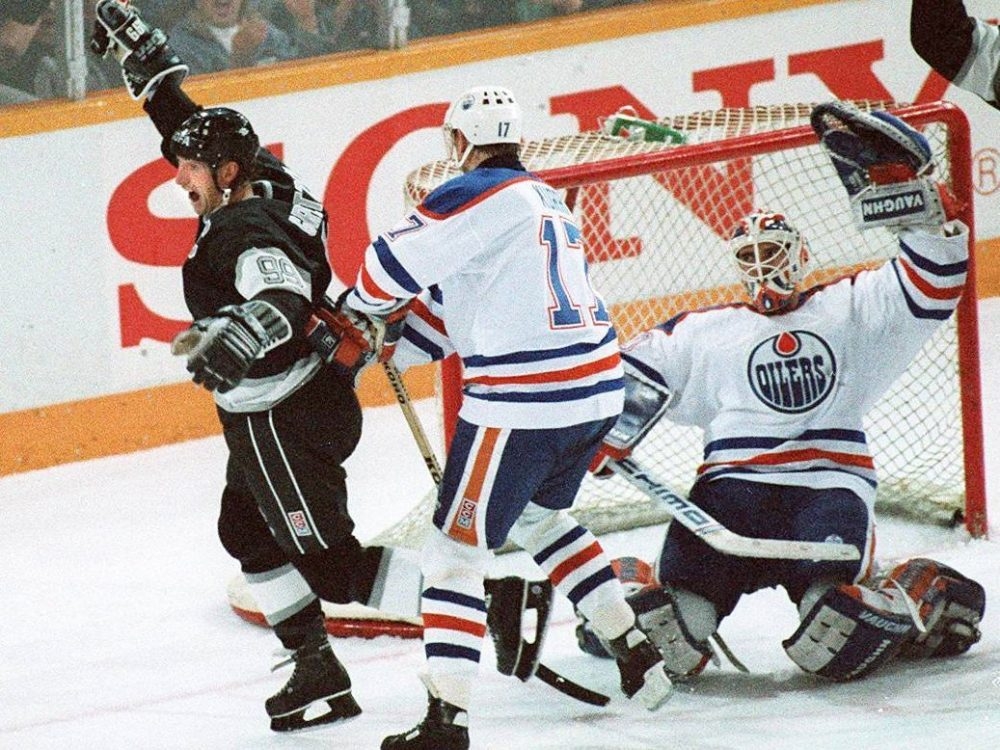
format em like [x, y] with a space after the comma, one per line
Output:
[285, 498]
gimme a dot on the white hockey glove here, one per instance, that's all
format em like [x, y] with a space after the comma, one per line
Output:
[645, 401]
[220, 349]
[884, 164]
[143, 52]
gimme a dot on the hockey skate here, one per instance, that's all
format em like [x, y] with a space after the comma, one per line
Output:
[643, 674]
[446, 727]
[319, 678]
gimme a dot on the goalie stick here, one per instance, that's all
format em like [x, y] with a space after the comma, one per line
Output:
[563, 684]
[718, 536]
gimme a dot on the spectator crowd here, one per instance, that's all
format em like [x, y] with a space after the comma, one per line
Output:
[217, 35]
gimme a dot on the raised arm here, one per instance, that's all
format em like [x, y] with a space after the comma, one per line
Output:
[963, 49]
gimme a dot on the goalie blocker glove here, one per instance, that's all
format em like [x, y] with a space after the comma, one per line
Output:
[884, 164]
[646, 398]
[143, 52]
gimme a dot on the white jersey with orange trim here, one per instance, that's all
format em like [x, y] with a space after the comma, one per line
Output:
[781, 398]
[500, 261]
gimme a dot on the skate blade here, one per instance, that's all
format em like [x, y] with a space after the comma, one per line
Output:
[331, 710]
[656, 688]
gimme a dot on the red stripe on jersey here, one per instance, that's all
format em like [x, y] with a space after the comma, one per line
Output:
[926, 288]
[449, 622]
[789, 457]
[575, 562]
[371, 288]
[478, 199]
[421, 310]
[554, 376]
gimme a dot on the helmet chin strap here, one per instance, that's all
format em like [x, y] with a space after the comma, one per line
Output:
[226, 192]
[465, 156]
[453, 151]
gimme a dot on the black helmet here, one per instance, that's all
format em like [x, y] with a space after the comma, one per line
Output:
[216, 135]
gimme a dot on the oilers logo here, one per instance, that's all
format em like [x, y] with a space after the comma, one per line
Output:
[792, 372]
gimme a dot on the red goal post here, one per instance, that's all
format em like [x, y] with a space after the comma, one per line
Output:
[653, 217]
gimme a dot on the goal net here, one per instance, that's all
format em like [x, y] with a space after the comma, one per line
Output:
[654, 216]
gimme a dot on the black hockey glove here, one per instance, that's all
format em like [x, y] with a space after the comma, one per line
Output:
[220, 349]
[143, 52]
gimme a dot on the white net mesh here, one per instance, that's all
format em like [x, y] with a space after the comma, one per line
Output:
[654, 234]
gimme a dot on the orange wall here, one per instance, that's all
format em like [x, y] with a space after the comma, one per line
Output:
[126, 422]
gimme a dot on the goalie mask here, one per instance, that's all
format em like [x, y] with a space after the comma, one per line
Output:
[485, 115]
[771, 258]
[215, 136]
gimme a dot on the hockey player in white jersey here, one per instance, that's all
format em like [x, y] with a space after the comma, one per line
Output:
[498, 261]
[780, 386]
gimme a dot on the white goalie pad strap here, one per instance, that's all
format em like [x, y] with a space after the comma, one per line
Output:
[279, 593]
[659, 616]
[398, 583]
[645, 402]
[848, 634]
[898, 205]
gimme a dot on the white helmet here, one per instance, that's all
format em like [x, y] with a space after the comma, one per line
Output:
[484, 115]
[771, 257]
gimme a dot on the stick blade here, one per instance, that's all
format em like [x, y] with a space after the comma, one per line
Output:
[570, 688]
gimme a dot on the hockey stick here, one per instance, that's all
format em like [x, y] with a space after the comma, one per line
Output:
[413, 421]
[546, 675]
[570, 688]
[718, 536]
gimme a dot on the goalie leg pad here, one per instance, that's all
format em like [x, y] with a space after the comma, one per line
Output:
[659, 616]
[849, 632]
[950, 605]
[508, 600]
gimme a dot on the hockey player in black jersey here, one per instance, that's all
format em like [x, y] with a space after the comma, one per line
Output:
[963, 49]
[256, 273]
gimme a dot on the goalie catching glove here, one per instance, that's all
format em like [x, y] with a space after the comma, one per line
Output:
[352, 339]
[884, 165]
[143, 52]
[222, 348]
